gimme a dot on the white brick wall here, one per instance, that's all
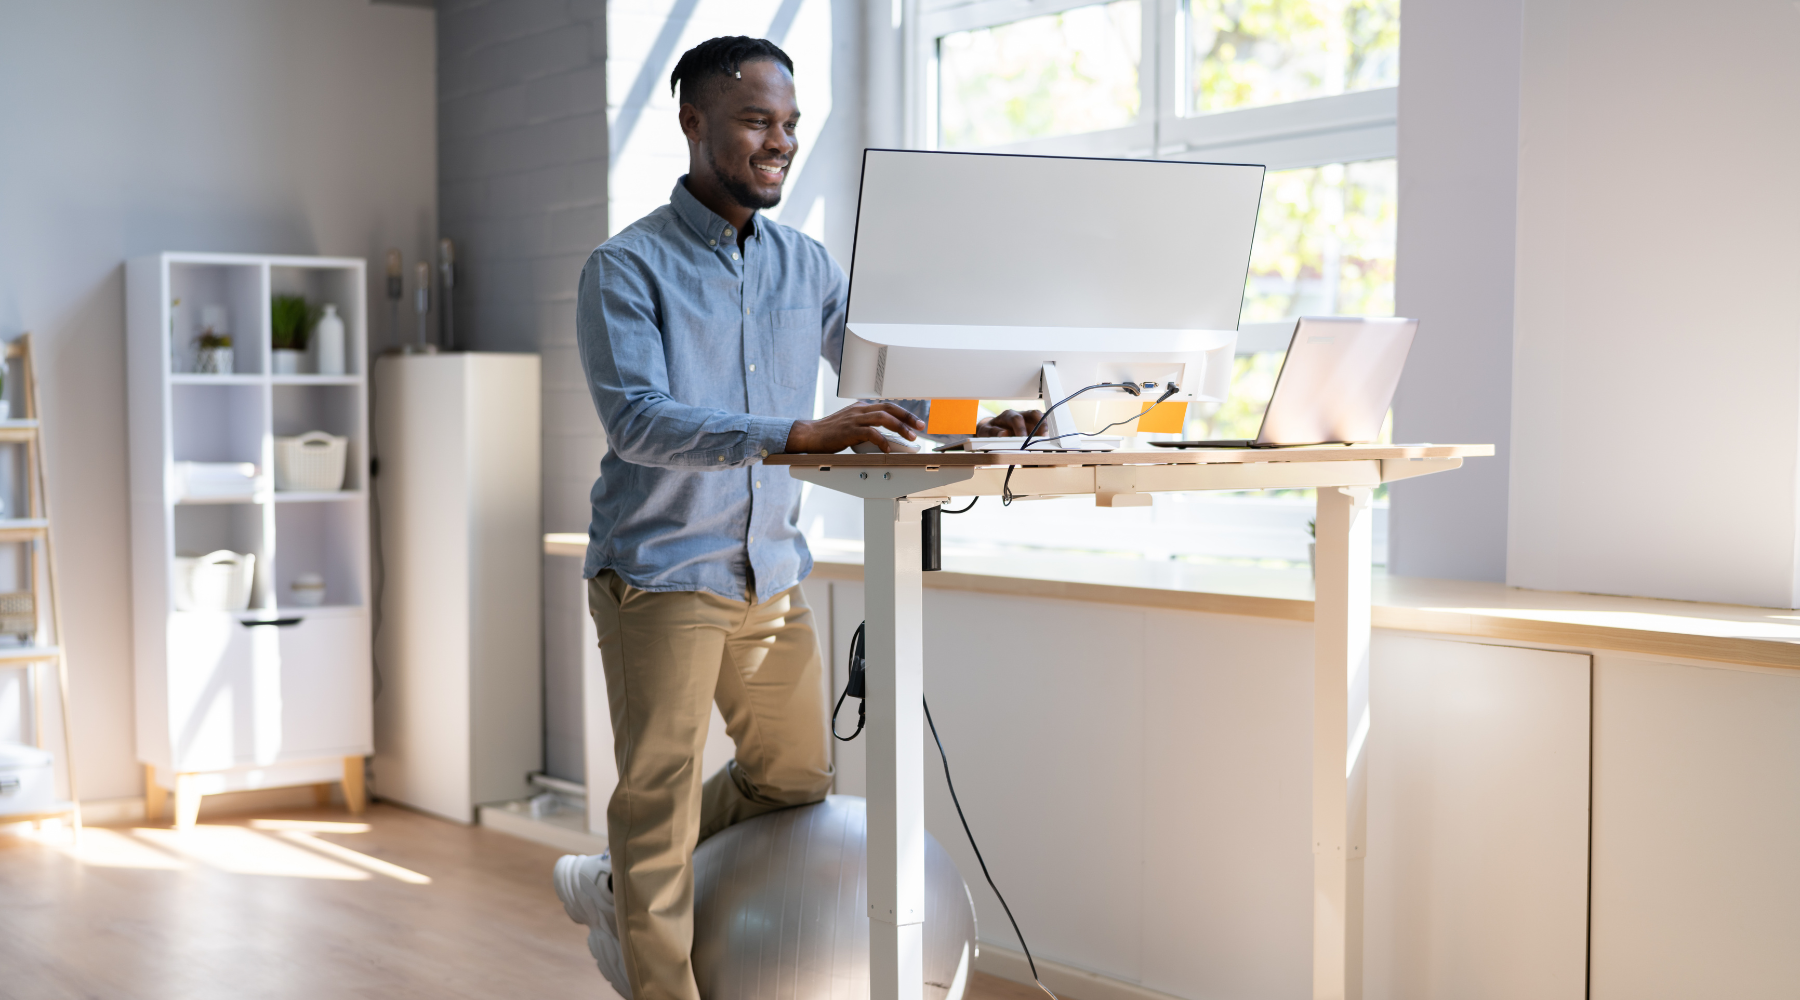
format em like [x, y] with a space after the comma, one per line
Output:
[522, 164]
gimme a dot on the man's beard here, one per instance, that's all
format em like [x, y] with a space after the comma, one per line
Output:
[740, 192]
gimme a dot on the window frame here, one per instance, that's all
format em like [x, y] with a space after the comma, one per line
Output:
[1343, 128]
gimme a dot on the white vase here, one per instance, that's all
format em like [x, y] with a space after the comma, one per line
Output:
[329, 336]
[213, 361]
[287, 362]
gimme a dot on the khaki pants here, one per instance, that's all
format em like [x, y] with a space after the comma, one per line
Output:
[668, 657]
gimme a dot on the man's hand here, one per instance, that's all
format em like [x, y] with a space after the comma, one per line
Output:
[1009, 423]
[851, 426]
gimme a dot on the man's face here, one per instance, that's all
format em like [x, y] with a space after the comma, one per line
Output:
[745, 133]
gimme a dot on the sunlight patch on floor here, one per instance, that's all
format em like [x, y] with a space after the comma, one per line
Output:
[246, 852]
[105, 848]
[288, 848]
[357, 858]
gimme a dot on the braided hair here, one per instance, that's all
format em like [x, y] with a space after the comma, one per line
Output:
[722, 57]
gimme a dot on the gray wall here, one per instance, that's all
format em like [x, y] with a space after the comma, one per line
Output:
[522, 162]
[1459, 128]
[261, 126]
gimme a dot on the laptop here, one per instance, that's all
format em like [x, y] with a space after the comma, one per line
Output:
[1335, 385]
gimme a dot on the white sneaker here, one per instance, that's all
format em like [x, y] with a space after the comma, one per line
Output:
[584, 884]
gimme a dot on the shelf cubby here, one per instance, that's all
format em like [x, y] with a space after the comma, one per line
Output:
[217, 423]
[334, 409]
[241, 288]
[330, 539]
[323, 285]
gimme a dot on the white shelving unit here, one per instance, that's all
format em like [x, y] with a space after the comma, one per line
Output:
[277, 694]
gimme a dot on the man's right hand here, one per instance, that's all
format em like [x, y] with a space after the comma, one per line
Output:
[851, 426]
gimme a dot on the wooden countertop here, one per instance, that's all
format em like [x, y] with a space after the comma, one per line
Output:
[1723, 633]
[1147, 456]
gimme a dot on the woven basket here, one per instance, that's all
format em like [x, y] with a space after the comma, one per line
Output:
[18, 613]
[313, 461]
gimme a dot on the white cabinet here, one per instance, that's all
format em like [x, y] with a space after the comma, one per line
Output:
[460, 719]
[276, 693]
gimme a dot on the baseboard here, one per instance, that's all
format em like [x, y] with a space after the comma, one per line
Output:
[1068, 981]
[107, 812]
[523, 826]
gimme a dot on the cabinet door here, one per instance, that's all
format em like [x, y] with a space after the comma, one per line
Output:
[325, 685]
[225, 692]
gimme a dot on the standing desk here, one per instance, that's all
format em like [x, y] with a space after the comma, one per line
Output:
[896, 489]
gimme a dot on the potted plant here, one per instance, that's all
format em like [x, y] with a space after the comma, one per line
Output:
[288, 316]
[213, 353]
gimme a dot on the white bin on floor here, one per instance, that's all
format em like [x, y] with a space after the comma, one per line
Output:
[27, 779]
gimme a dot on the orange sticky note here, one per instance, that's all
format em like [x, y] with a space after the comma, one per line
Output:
[1166, 418]
[953, 416]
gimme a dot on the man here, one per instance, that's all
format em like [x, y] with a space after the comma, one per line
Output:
[700, 326]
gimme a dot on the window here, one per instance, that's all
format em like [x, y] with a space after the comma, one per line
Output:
[1060, 74]
[1252, 53]
[1306, 87]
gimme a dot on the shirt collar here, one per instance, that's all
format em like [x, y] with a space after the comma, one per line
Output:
[709, 224]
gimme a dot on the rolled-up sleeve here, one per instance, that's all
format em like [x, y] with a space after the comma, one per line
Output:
[619, 333]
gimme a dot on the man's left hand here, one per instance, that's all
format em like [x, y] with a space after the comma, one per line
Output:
[1009, 423]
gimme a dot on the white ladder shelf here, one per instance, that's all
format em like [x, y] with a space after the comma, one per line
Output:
[45, 648]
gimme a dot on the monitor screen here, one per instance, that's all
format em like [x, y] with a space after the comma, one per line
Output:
[986, 239]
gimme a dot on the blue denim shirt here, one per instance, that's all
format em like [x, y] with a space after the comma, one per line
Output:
[699, 363]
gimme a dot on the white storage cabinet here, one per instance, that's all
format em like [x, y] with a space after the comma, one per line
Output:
[276, 694]
[460, 717]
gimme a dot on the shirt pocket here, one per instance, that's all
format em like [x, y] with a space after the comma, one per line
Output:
[795, 363]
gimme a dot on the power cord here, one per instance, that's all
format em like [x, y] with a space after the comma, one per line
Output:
[978, 858]
[856, 687]
[1170, 391]
[1006, 494]
[853, 688]
[1131, 387]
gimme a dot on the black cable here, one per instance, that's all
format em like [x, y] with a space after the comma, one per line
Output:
[1006, 493]
[972, 502]
[977, 849]
[1131, 387]
[854, 685]
[1172, 390]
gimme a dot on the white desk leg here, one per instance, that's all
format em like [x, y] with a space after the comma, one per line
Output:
[895, 660]
[1340, 727]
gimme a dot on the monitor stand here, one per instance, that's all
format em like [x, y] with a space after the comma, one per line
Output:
[1058, 433]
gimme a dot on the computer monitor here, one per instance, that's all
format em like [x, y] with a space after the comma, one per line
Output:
[973, 270]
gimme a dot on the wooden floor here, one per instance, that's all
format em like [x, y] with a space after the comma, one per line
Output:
[316, 904]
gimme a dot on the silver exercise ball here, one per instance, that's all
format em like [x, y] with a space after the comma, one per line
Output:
[781, 909]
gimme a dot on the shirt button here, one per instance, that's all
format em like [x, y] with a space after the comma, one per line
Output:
[734, 256]
[746, 312]
[759, 484]
[721, 458]
[752, 538]
[752, 367]
[765, 452]
[712, 243]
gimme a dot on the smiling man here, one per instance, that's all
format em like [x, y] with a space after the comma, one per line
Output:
[700, 327]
